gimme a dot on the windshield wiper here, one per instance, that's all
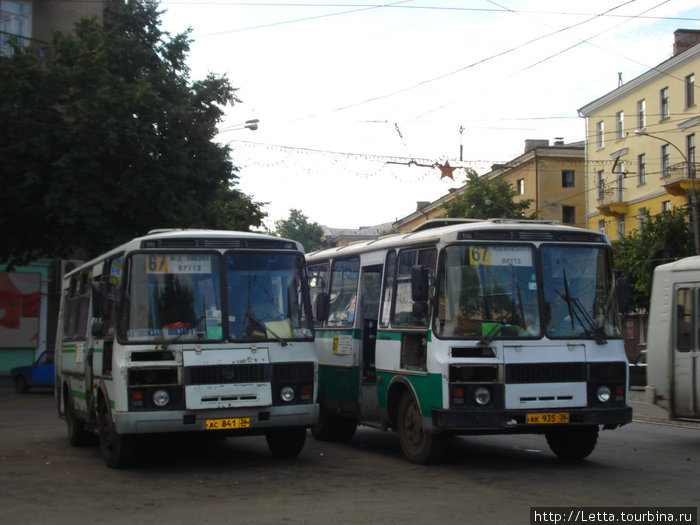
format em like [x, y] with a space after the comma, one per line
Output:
[578, 311]
[495, 329]
[266, 328]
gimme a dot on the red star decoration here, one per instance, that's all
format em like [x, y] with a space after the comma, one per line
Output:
[446, 170]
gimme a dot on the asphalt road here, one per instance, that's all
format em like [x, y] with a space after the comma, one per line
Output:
[487, 479]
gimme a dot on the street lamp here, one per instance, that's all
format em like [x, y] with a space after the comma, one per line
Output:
[248, 124]
[691, 175]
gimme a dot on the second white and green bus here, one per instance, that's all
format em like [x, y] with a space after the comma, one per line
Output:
[188, 331]
[480, 327]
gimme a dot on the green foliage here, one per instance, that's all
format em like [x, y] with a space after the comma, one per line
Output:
[471, 203]
[107, 138]
[298, 228]
[663, 238]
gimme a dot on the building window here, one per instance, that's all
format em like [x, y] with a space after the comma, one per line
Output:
[641, 217]
[664, 103]
[568, 214]
[665, 206]
[690, 154]
[567, 178]
[521, 186]
[599, 131]
[620, 225]
[601, 226]
[619, 124]
[690, 90]
[601, 184]
[15, 20]
[641, 169]
[665, 160]
[641, 114]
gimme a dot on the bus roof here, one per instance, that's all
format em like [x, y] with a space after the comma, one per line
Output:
[196, 239]
[481, 230]
[681, 265]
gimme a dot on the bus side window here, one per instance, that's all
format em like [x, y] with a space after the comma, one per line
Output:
[388, 288]
[343, 292]
[77, 301]
[318, 284]
[684, 319]
[403, 308]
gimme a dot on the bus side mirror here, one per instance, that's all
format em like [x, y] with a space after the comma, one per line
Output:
[624, 295]
[419, 283]
[322, 306]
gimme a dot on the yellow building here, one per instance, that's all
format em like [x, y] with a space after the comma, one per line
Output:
[33, 22]
[553, 177]
[640, 143]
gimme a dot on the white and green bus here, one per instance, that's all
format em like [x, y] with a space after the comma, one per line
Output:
[188, 331]
[478, 327]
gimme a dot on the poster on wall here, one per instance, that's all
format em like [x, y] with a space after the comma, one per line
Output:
[19, 309]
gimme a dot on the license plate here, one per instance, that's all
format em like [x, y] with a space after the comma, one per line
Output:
[548, 418]
[227, 423]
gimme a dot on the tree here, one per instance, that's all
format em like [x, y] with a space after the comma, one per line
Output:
[471, 203]
[107, 137]
[298, 228]
[663, 238]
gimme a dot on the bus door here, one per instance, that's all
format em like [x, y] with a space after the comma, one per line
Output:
[686, 351]
[370, 291]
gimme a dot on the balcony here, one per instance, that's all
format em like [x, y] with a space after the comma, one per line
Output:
[678, 181]
[39, 47]
[611, 201]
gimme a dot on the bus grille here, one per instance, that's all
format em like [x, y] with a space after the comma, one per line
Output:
[222, 374]
[546, 373]
[250, 373]
[291, 372]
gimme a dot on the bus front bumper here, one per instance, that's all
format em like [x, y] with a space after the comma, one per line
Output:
[260, 419]
[479, 419]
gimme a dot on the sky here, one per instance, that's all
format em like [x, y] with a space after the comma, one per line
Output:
[349, 93]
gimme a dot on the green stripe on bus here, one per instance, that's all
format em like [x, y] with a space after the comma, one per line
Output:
[339, 383]
[428, 388]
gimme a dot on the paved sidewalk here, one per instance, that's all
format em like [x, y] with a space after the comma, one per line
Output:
[642, 410]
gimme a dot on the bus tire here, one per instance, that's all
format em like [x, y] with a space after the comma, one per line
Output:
[418, 445]
[21, 385]
[286, 442]
[77, 435]
[333, 427]
[117, 449]
[573, 443]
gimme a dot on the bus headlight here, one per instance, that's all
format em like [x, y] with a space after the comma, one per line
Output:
[161, 398]
[604, 393]
[482, 396]
[287, 394]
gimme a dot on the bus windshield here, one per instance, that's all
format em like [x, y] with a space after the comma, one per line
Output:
[181, 298]
[489, 291]
[579, 298]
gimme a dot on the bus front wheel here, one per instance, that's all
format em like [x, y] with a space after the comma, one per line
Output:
[418, 445]
[117, 449]
[77, 435]
[286, 442]
[573, 443]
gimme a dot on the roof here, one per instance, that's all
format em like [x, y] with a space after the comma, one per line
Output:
[450, 233]
[663, 69]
